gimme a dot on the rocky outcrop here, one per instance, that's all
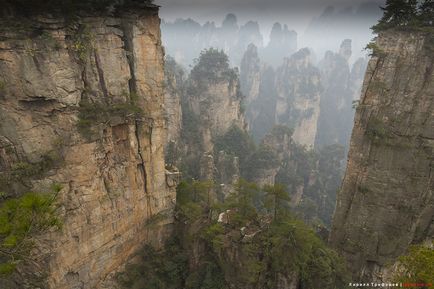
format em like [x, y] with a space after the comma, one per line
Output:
[386, 201]
[250, 74]
[216, 100]
[340, 85]
[257, 84]
[114, 180]
[298, 96]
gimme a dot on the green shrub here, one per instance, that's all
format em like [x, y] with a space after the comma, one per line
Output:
[158, 269]
[65, 7]
[263, 158]
[20, 219]
[376, 131]
[235, 142]
[92, 114]
[417, 266]
[213, 234]
[375, 50]
[22, 172]
[82, 42]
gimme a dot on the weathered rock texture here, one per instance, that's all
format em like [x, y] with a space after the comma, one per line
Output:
[211, 106]
[386, 201]
[173, 113]
[112, 184]
[298, 96]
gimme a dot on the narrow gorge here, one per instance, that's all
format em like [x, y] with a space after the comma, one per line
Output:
[139, 152]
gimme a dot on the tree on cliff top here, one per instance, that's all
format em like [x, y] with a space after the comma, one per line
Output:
[397, 13]
[406, 13]
[64, 6]
[212, 65]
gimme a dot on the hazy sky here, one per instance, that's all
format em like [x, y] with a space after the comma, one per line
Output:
[296, 13]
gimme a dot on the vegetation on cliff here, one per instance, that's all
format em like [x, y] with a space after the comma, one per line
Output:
[406, 14]
[251, 240]
[417, 266]
[92, 114]
[20, 220]
[213, 65]
[67, 7]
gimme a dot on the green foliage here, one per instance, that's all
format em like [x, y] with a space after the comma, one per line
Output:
[203, 256]
[417, 266]
[293, 246]
[91, 114]
[2, 85]
[213, 66]
[22, 172]
[277, 199]
[82, 42]
[355, 104]
[397, 13]
[20, 219]
[66, 7]
[213, 235]
[376, 131]
[375, 50]
[193, 199]
[236, 142]
[158, 269]
[243, 199]
[406, 14]
[262, 158]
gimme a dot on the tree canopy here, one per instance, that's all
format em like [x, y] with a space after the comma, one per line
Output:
[406, 13]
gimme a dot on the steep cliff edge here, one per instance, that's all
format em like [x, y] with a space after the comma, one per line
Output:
[386, 202]
[76, 89]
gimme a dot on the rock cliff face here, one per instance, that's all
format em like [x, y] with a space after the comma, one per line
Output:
[257, 84]
[174, 87]
[214, 97]
[298, 96]
[114, 181]
[386, 201]
[341, 85]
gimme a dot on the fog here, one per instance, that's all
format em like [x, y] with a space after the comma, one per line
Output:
[319, 25]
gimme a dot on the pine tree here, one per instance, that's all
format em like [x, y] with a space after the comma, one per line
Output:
[426, 14]
[397, 13]
[277, 199]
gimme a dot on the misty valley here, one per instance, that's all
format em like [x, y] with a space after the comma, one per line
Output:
[141, 148]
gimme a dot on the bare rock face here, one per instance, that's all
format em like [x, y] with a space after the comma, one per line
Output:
[250, 73]
[174, 81]
[216, 102]
[341, 87]
[386, 201]
[114, 182]
[257, 84]
[298, 100]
